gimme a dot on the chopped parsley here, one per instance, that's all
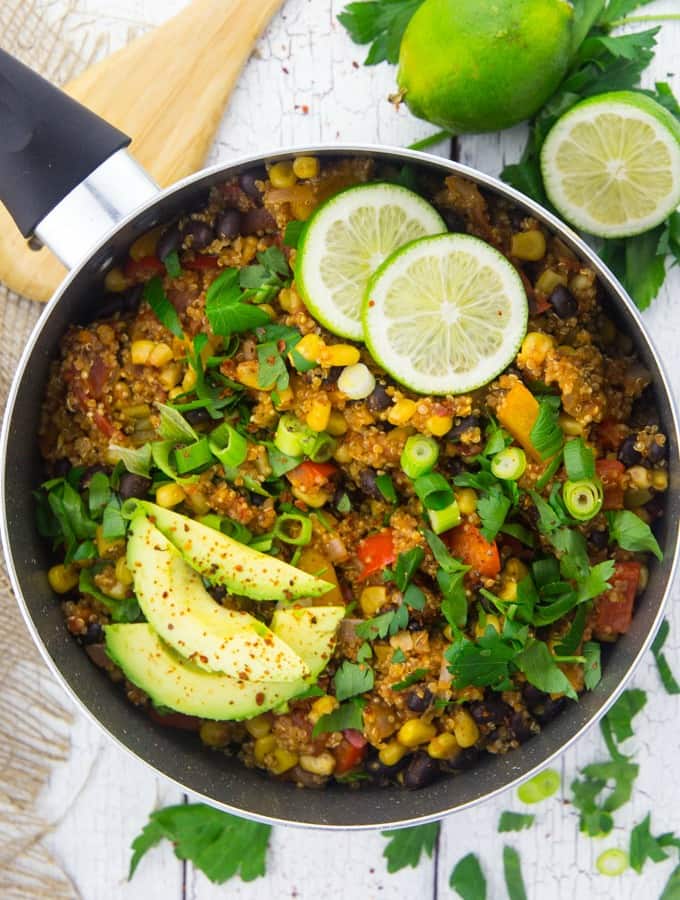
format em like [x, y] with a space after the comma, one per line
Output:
[414, 677]
[347, 715]
[384, 625]
[644, 846]
[352, 679]
[513, 821]
[546, 435]
[380, 23]
[512, 870]
[467, 879]
[667, 678]
[405, 846]
[165, 312]
[631, 533]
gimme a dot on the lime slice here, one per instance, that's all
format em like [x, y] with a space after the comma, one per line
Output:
[611, 165]
[445, 314]
[346, 240]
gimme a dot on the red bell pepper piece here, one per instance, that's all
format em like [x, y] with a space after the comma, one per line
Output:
[347, 756]
[376, 552]
[611, 472]
[201, 262]
[614, 609]
[143, 269]
[466, 542]
[310, 475]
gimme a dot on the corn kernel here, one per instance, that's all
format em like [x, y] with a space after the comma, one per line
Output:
[306, 166]
[338, 355]
[371, 599]
[439, 425]
[282, 175]
[342, 454]
[643, 579]
[392, 753]
[508, 590]
[319, 414]
[284, 398]
[660, 479]
[108, 548]
[401, 412]
[170, 375]
[115, 281]
[465, 728]
[415, 732]
[269, 309]
[189, 380]
[137, 411]
[259, 726]
[536, 346]
[215, 734]
[322, 764]
[492, 620]
[140, 351]
[247, 373]
[283, 761]
[515, 568]
[160, 355]
[315, 498]
[529, 245]
[310, 346]
[548, 280]
[123, 574]
[62, 578]
[263, 747]
[322, 707]
[467, 501]
[569, 425]
[444, 746]
[337, 424]
[640, 477]
[290, 301]
[169, 495]
[175, 392]
[146, 244]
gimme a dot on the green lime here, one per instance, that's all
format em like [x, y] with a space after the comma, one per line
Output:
[540, 787]
[611, 165]
[445, 314]
[346, 240]
[483, 65]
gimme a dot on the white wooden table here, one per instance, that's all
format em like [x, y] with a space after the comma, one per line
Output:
[302, 86]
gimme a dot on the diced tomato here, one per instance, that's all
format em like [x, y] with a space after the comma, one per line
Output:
[376, 552]
[143, 269]
[541, 303]
[611, 472]
[201, 263]
[310, 475]
[611, 434]
[467, 542]
[99, 372]
[355, 737]
[348, 756]
[175, 720]
[614, 609]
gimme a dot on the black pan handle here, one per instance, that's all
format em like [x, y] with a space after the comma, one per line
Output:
[49, 143]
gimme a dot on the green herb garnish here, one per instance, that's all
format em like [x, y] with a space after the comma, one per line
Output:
[406, 846]
[163, 309]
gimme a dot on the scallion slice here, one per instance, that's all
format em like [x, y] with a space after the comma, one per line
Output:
[230, 447]
[540, 787]
[290, 435]
[419, 455]
[282, 529]
[193, 457]
[583, 499]
[509, 464]
[434, 491]
[386, 487]
[612, 862]
[443, 519]
[322, 448]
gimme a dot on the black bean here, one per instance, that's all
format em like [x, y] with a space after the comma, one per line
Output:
[333, 374]
[246, 182]
[532, 696]
[229, 224]
[419, 699]
[563, 302]
[256, 499]
[368, 485]
[599, 539]
[61, 468]
[451, 465]
[378, 399]
[94, 634]
[466, 759]
[422, 770]
[492, 710]
[382, 772]
[656, 452]
[465, 424]
[548, 709]
[86, 477]
[520, 727]
[454, 221]
[655, 507]
[132, 298]
[131, 485]
[628, 455]
[201, 233]
[197, 416]
[415, 625]
[168, 242]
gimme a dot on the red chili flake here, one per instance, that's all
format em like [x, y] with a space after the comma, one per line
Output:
[259, 698]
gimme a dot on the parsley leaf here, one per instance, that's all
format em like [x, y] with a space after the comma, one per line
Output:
[588, 793]
[667, 678]
[617, 9]
[380, 23]
[162, 308]
[671, 890]
[405, 846]
[541, 670]
[484, 662]
[293, 233]
[352, 679]
[592, 668]
[631, 533]
[546, 435]
[218, 844]
[398, 656]
[413, 678]
[225, 310]
[454, 605]
[381, 626]
[172, 265]
[512, 821]
[512, 871]
[644, 846]
[579, 460]
[406, 566]
[347, 715]
[137, 461]
[639, 264]
[492, 509]
[622, 713]
[467, 879]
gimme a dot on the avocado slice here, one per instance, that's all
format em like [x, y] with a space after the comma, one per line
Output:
[225, 561]
[172, 597]
[178, 684]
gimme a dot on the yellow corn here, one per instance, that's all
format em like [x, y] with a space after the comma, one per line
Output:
[467, 501]
[189, 380]
[660, 479]
[170, 375]
[123, 574]
[548, 280]
[160, 355]
[337, 424]
[569, 425]
[444, 746]
[323, 764]
[508, 590]
[215, 734]
[310, 346]
[439, 425]
[259, 726]
[140, 351]
[107, 548]
[319, 414]
[338, 355]
[284, 398]
[169, 495]
[269, 309]
[322, 707]
[515, 568]
[198, 502]
[342, 454]
[290, 300]
[401, 412]
[391, 753]
[465, 728]
[247, 373]
[175, 392]
[306, 166]
[115, 281]
[137, 411]
[529, 245]
[415, 732]
[316, 499]
[282, 175]
[62, 578]
[282, 761]
[371, 599]
[643, 580]
[536, 346]
[263, 747]
[491, 619]
[146, 244]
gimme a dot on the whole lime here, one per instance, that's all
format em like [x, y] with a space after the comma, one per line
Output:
[483, 65]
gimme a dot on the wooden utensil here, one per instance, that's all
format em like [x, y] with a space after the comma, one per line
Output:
[167, 90]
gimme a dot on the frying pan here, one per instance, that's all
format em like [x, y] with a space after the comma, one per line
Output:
[68, 182]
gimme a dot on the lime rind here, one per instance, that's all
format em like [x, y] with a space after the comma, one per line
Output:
[611, 164]
[445, 314]
[346, 239]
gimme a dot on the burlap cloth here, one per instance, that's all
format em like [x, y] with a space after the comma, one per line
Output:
[34, 728]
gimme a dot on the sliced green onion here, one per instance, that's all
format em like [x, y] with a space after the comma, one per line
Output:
[322, 448]
[509, 464]
[193, 457]
[282, 526]
[228, 445]
[344, 504]
[290, 435]
[583, 499]
[301, 363]
[160, 453]
[235, 530]
[419, 455]
[262, 543]
[540, 787]
[443, 519]
[211, 520]
[434, 491]
[612, 862]
[550, 470]
[386, 487]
